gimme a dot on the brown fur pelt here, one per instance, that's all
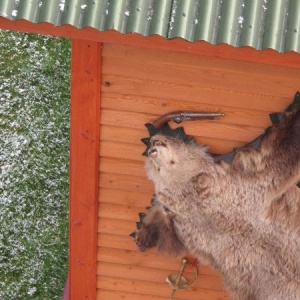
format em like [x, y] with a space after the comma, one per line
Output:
[243, 219]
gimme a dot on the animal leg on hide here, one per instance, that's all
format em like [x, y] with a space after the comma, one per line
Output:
[280, 148]
[157, 229]
[285, 209]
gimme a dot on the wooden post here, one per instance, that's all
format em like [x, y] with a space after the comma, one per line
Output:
[84, 167]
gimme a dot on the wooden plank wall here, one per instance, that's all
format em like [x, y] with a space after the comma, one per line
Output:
[139, 85]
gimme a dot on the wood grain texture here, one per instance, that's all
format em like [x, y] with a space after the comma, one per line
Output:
[117, 295]
[84, 166]
[204, 128]
[210, 279]
[154, 275]
[139, 85]
[116, 138]
[122, 166]
[125, 183]
[158, 106]
[122, 197]
[196, 75]
[112, 225]
[160, 289]
[120, 212]
[186, 92]
[148, 259]
[117, 243]
[167, 59]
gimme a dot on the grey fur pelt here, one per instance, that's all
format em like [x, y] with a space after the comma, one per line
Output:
[243, 219]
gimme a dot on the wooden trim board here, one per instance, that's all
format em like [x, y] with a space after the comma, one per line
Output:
[84, 167]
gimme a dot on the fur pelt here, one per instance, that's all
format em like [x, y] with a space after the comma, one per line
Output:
[243, 219]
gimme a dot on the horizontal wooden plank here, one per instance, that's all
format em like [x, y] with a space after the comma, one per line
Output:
[110, 241]
[103, 294]
[148, 259]
[125, 242]
[127, 198]
[165, 58]
[215, 129]
[125, 182]
[155, 106]
[135, 258]
[118, 241]
[115, 226]
[111, 136]
[121, 212]
[123, 150]
[123, 166]
[187, 92]
[205, 128]
[123, 134]
[196, 75]
[155, 275]
[121, 243]
[157, 289]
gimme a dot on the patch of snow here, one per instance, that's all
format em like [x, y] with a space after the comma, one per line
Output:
[31, 291]
[62, 5]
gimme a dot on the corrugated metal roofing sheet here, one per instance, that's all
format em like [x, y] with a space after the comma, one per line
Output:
[257, 23]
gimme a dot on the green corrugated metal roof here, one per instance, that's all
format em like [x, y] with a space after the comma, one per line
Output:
[257, 23]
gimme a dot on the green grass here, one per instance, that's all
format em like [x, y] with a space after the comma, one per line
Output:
[34, 156]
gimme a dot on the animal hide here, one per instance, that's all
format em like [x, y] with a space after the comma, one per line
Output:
[242, 218]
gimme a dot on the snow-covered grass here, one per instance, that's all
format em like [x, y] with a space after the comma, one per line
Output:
[34, 155]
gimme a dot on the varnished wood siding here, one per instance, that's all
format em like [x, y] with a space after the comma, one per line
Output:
[138, 85]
